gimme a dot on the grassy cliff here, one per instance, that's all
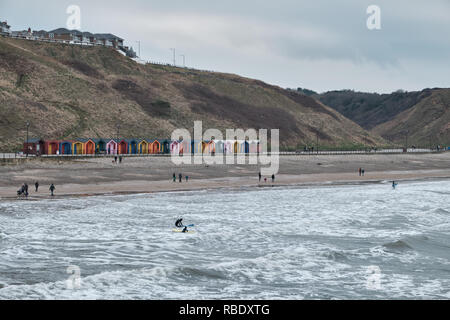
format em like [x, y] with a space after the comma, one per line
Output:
[78, 92]
[426, 123]
[421, 116]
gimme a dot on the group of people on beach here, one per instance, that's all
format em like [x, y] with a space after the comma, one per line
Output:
[362, 173]
[180, 178]
[117, 158]
[23, 191]
[265, 179]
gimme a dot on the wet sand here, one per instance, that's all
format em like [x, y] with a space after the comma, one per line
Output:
[99, 176]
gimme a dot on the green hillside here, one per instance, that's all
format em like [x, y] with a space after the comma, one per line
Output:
[420, 117]
[68, 91]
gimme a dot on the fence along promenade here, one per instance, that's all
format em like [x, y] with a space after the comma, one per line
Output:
[21, 155]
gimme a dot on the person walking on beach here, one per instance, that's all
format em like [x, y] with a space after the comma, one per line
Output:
[187, 178]
[260, 176]
[36, 185]
[21, 190]
[52, 189]
[273, 178]
[174, 177]
[360, 172]
[394, 185]
[115, 159]
[363, 172]
[180, 176]
[25, 188]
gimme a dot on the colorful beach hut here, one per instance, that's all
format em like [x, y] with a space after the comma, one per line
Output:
[197, 146]
[228, 147]
[100, 146]
[143, 147]
[78, 147]
[155, 147]
[165, 146]
[218, 147]
[132, 146]
[123, 147]
[185, 147]
[176, 148]
[209, 147]
[246, 147]
[254, 146]
[200, 147]
[89, 147]
[65, 147]
[236, 147]
[111, 147]
[51, 147]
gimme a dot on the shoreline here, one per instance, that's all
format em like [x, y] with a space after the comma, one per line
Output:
[236, 185]
[101, 177]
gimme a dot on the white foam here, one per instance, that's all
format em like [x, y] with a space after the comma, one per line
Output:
[270, 244]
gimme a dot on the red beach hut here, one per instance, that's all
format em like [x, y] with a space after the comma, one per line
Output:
[123, 147]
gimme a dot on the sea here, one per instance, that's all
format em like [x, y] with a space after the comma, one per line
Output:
[365, 241]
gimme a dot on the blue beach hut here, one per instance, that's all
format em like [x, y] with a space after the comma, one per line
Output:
[165, 146]
[132, 146]
[65, 147]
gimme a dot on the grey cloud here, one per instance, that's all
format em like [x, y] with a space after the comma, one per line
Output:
[247, 35]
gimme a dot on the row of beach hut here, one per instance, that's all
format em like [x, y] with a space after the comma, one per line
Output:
[138, 147]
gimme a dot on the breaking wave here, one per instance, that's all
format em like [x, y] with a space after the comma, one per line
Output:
[398, 245]
[281, 243]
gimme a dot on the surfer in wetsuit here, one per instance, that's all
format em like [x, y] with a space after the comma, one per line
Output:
[179, 223]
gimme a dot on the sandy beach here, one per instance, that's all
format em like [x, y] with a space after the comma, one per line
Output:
[99, 176]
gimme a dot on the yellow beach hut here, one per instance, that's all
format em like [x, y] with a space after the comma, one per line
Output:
[143, 147]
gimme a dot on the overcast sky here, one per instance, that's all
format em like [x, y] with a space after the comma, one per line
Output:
[316, 44]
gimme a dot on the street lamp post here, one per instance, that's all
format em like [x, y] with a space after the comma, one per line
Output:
[139, 48]
[365, 141]
[184, 60]
[317, 137]
[317, 142]
[118, 138]
[28, 125]
[406, 140]
[174, 56]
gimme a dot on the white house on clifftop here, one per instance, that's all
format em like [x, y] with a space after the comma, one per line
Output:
[5, 28]
[63, 35]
